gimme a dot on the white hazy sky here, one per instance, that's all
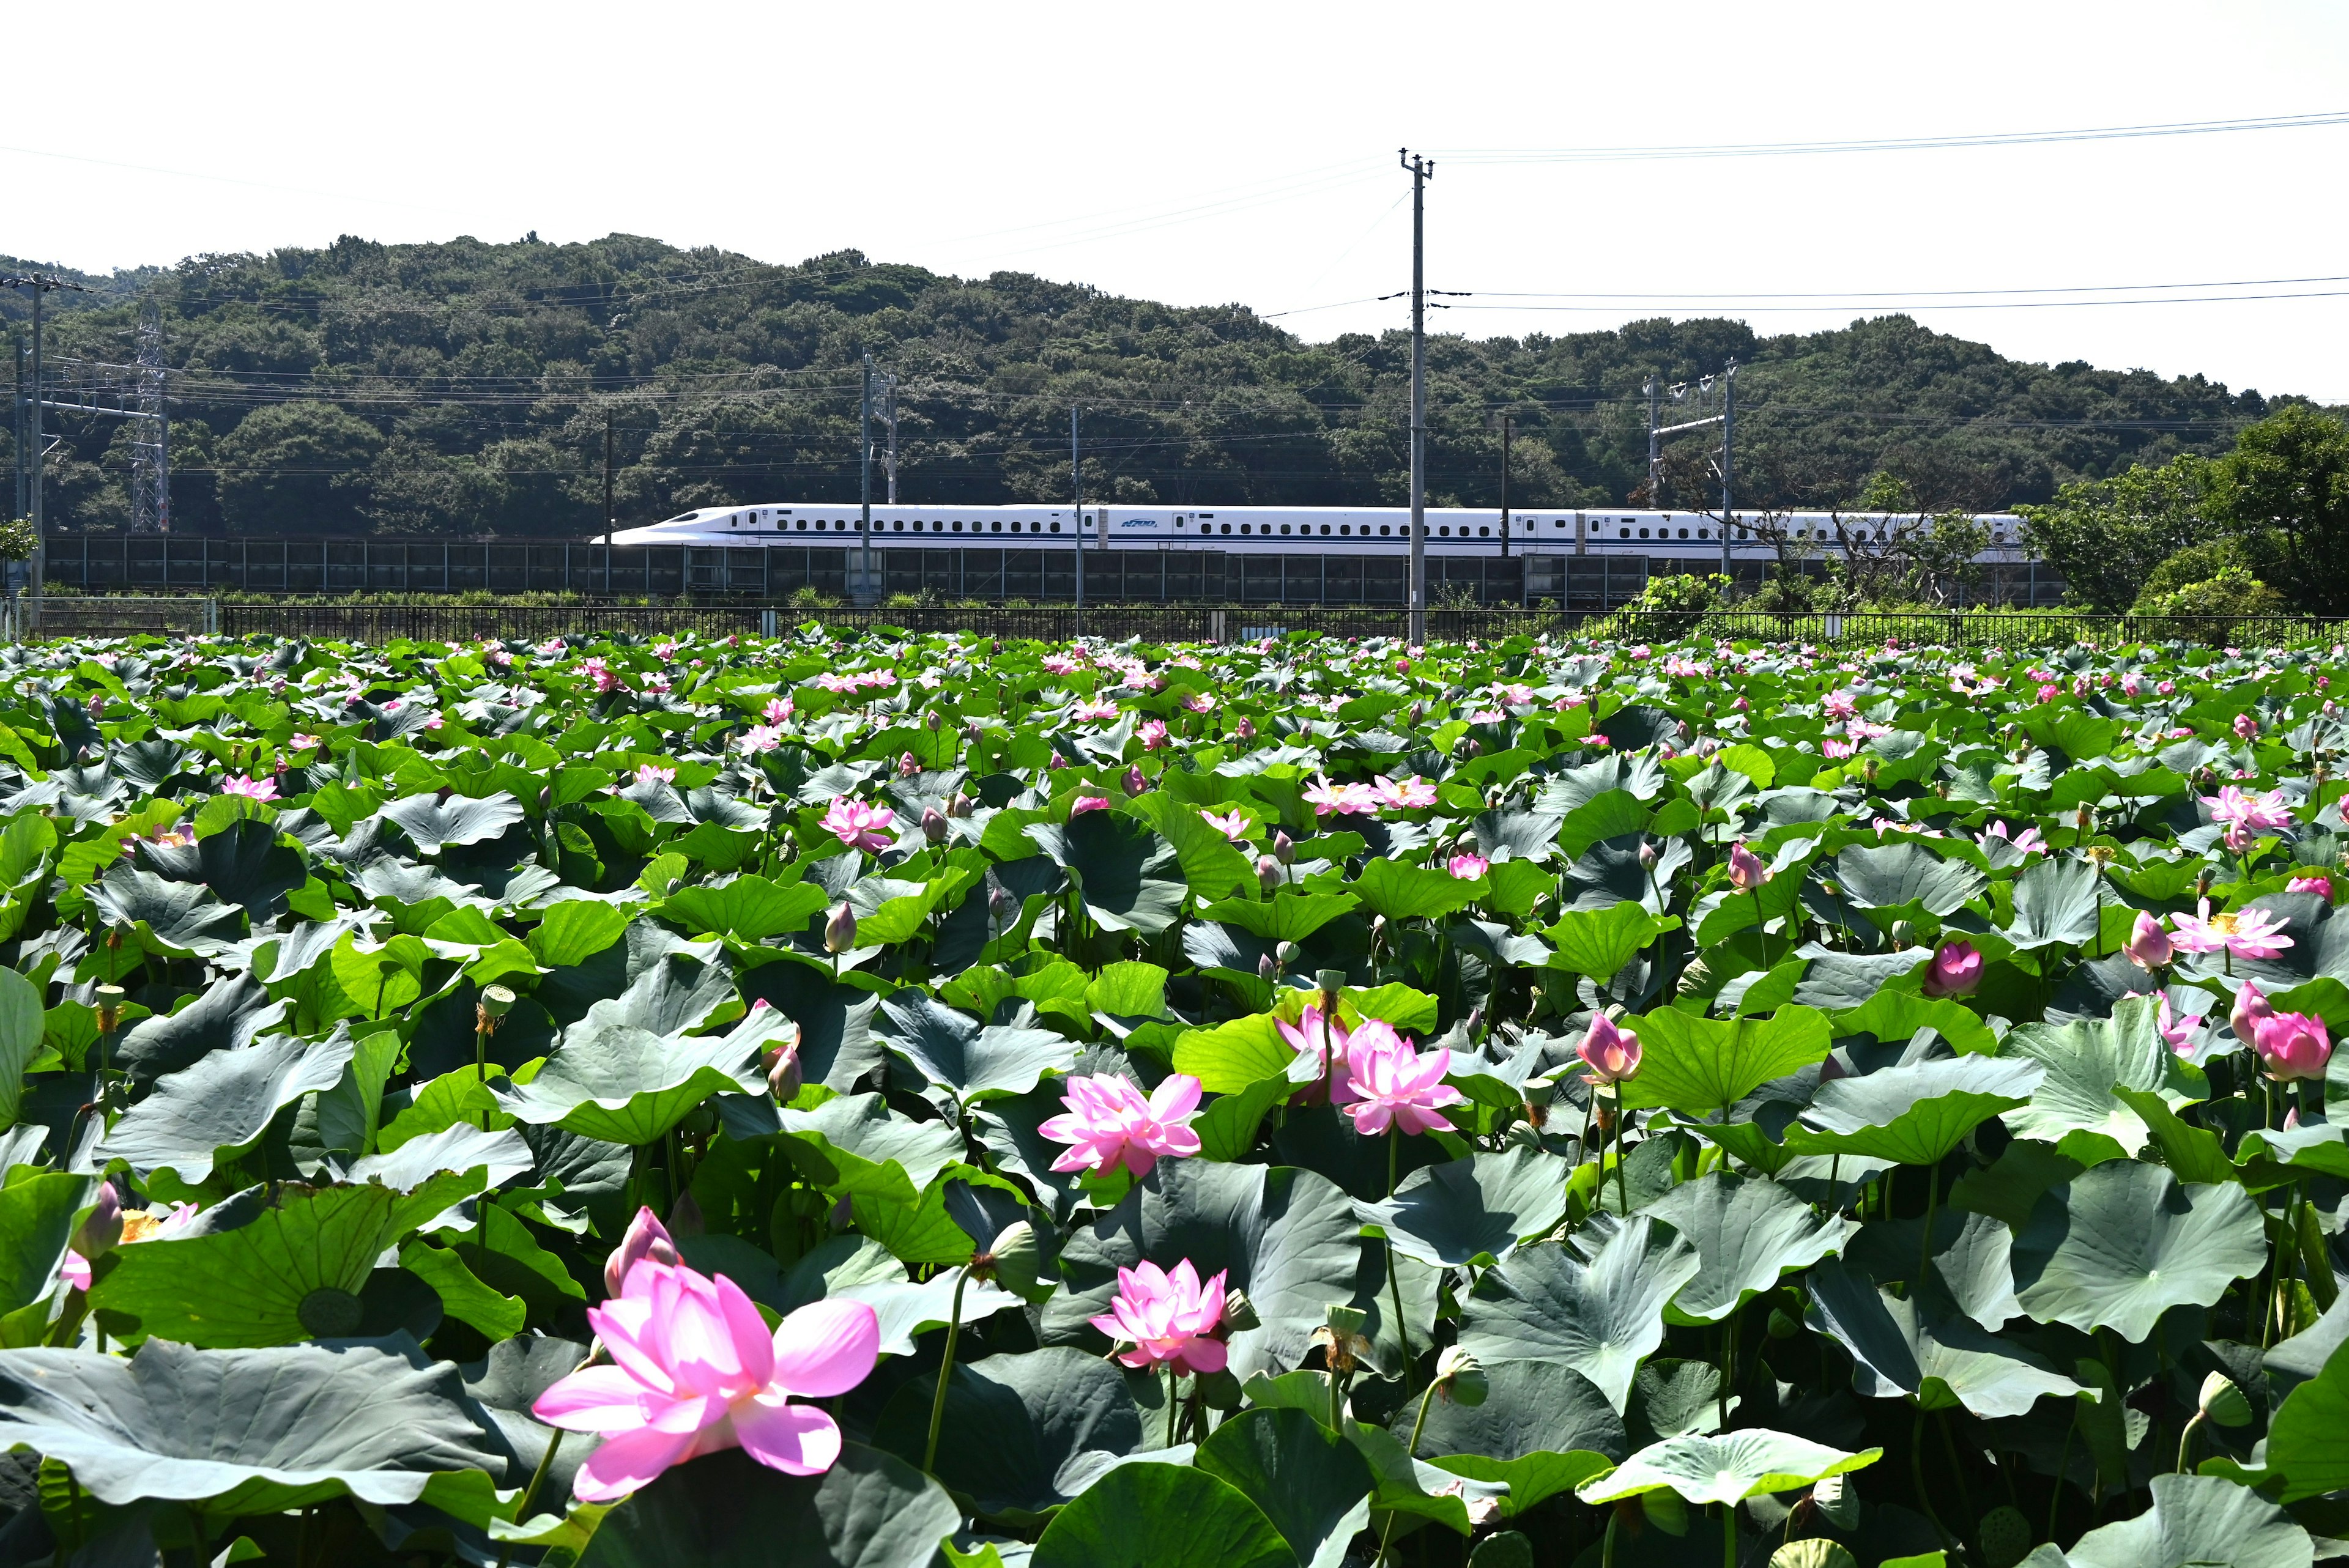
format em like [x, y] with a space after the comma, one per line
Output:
[1217, 152]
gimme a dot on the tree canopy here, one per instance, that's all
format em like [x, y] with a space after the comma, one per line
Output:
[464, 387]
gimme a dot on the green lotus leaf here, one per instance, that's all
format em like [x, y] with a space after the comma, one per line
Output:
[1703, 1468]
[628, 1084]
[749, 908]
[575, 929]
[971, 1062]
[1288, 916]
[2308, 1435]
[1697, 1065]
[1889, 876]
[245, 863]
[21, 1025]
[2056, 901]
[1111, 859]
[1602, 1312]
[1161, 1516]
[37, 1216]
[2194, 1521]
[1022, 1433]
[2122, 1243]
[176, 918]
[2075, 1107]
[1923, 1348]
[1311, 1483]
[870, 1509]
[248, 1431]
[1479, 1208]
[1747, 1234]
[1287, 1237]
[1599, 942]
[225, 1101]
[1916, 1114]
[292, 1271]
[432, 823]
[1403, 892]
[1543, 1428]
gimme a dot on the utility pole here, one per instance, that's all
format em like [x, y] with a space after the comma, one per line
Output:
[607, 500]
[889, 418]
[1421, 170]
[1655, 449]
[1728, 453]
[1077, 495]
[1505, 433]
[40, 284]
[864, 594]
[17, 434]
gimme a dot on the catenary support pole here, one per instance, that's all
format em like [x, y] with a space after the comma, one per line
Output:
[1507, 431]
[1421, 170]
[607, 500]
[864, 478]
[1077, 497]
[1728, 456]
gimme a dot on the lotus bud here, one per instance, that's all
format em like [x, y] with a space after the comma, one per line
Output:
[1287, 953]
[1284, 848]
[1461, 1377]
[2223, 1403]
[1135, 782]
[1267, 874]
[685, 1216]
[1246, 729]
[1001, 903]
[1956, 970]
[957, 804]
[840, 930]
[2250, 1009]
[1647, 856]
[936, 720]
[2148, 945]
[1475, 1019]
[1267, 970]
[1017, 1261]
[1472, 746]
[647, 1238]
[908, 765]
[102, 1231]
[934, 824]
[784, 1075]
[1747, 871]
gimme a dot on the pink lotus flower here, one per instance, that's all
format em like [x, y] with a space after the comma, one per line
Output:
[2245, 933]
[1168, 1317]
[2253, 811]
[859, 826]
[694, 1371]
[1746, 870]
[252, 788]
[778, 709]
[908, 766]
[2130, 685]
[761, 738]
[1153, 733]
[2166, 689]
[1096, 712]
[1393, 1084]
[1233, 827]
[653, 773]
[1838, 705]
[1343, 800]
[646, 1237]
[1611, 1054]
[1402, 667]
[2148, 945]
[1110, 1123]
[1195, 701]
[2050, 692]
[1135, 781]
[1956, 970]
[2319, 885]
[1326, 1046]
[596, 670]
[1064, 664]
[2291, 1046]
[1837, 750]
[305, 743]
[2178, 1031]
[1406, 795]
[1245, 728]
[1468, 868]
[2250, 1006]
[1084, 803]
[2246, 726]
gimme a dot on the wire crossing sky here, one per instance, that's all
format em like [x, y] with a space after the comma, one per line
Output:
[2037, 177]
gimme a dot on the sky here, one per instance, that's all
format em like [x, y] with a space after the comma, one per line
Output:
[1218, 152]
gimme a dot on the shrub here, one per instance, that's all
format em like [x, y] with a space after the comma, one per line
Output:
[2230, 591]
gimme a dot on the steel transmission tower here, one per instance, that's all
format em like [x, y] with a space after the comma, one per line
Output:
[1422, 170]
[150, 436]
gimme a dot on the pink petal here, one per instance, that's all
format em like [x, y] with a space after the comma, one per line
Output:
[594, 1399]
[1177, 1096]
[1204, 1354]
[797, 1440]
[826, 1348]
[753, 1348]
[625, 1462]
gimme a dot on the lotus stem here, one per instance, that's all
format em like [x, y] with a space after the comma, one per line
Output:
[2062, 1471]
[945, 1375]
[530, 1492]
[1622, 1155]
[2186, 1441]
[1607, 1546]
[1925, 1247]
[1171, 1404]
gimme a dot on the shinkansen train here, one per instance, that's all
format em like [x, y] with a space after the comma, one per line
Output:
[1364, 530]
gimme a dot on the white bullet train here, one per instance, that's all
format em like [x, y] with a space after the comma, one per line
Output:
[1357, 530]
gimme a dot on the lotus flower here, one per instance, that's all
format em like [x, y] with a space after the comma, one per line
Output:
[778, 709]
[2251, 1005]
[1838, 705]
[761, 738]
[2246, 726]
[1234, 826]
[2177, 1031]
[305, 742]
[2027, 841]
[646, 1237]
[694, 1371]
[1611, 1053]
[859, 826]
[2291, 1046]
[1468, 868]
[252, 788]
[2148, 945]
[653, 773]
[1342, 800]
[2244, 932]
[1746, 870]
[1391, 1084]
[1153, 733]
[1084, 803]
[2254, 812]
[1327, 1047]
[1956, 970]
[1405, 795]
[1110, 1123]
[1168, 1317]
[2319, 885]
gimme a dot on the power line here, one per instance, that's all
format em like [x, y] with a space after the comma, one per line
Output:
[1891, 144]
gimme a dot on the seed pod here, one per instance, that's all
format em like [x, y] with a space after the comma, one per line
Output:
[2223, 1403]
[1240, 1313]
[1461, 1377]
[1017, 1261]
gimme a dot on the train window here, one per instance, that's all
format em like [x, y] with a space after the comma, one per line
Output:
[1284, 527]
[1626, 533]
[1180, 522]
[1484, 533]
[1344, 529]
[996, 527]
[1644, 533]
[1056, 528]
[1704, 533]
[1683, 533]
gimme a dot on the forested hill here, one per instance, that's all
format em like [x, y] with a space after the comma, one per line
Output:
[465, 388]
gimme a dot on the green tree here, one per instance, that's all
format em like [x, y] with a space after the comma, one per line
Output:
[2106, 536]
[297, 468]
[2285, 489]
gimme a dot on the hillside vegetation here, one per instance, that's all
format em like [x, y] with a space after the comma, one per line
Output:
[465, 388]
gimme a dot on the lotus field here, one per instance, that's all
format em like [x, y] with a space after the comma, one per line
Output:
[894, 1101]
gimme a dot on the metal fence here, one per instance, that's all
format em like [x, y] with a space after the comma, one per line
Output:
[462, 623]
[50, 616]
